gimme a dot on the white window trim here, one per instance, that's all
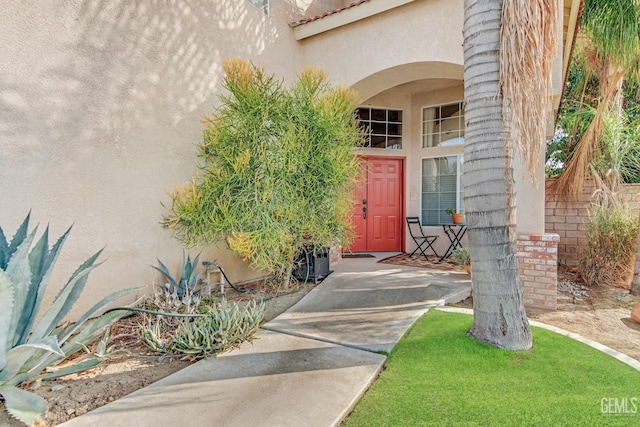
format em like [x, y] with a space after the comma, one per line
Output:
[459, 172]
[442, 104]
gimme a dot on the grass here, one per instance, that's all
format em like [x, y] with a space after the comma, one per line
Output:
[437, 376]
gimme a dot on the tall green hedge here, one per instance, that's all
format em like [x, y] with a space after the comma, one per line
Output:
[277, 168]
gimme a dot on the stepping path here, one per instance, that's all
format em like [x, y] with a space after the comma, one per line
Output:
[307, 367]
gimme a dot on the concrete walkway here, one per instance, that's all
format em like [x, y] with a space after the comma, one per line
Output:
[307, 367]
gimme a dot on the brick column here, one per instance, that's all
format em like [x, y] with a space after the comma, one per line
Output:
[538, 267]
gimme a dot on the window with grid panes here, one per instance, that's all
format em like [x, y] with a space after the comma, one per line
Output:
[382, 126]
[443, 125]
[442, 188]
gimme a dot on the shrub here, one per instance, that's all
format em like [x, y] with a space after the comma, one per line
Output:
[461, 256]
[611, 243]
[28, 347]
[277, 169]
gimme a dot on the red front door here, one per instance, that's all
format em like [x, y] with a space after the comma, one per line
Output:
[377, 215]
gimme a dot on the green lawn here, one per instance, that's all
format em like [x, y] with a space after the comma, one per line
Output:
[436, 375]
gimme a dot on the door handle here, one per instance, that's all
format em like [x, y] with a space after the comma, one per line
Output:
[364, 209]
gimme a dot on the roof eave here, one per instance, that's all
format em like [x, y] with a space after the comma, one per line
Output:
[344, 17]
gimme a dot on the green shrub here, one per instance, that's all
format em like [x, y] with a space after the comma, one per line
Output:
[461, 256]
[611, 243]
[278, 169]
[28, 347]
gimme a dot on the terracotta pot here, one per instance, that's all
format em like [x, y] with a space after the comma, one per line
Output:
[457, 218]
[467, 268]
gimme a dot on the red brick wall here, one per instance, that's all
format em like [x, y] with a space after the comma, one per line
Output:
[569, 219]
[538, 268]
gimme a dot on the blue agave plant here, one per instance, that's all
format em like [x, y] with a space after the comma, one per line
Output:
[189, 278]
[28, 347]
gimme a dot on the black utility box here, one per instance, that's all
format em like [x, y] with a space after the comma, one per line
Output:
[312, 264]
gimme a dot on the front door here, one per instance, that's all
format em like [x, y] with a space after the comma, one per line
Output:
[377, 215]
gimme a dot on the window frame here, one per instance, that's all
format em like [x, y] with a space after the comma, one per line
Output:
[460, 130]
[459, 191]
[386, 135]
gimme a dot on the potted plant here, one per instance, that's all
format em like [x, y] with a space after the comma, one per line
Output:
[455, 216]
[462, 257]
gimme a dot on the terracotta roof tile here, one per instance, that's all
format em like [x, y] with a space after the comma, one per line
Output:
[324, 15]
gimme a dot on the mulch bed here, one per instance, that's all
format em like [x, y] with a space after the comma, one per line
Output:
[420, 261]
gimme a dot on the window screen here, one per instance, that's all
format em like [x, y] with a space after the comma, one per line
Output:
[442, 188]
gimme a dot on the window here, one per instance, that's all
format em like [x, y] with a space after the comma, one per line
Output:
[443, 125]
[383, 127]
[441, 188]
[263, 5]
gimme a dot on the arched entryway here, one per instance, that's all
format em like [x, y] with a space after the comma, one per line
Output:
[397, 112]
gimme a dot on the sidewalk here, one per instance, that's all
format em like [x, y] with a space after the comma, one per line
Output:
[307, 367]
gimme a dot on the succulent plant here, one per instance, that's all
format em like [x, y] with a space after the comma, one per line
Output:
[28, 347]
[225, 326]
[189, 279]
[461, 256]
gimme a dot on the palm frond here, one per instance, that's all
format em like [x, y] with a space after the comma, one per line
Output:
[613, 27]
[528, 45]
[570, 183]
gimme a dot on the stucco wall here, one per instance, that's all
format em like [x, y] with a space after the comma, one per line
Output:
[422, 31]
[100, 108]
[320, 7]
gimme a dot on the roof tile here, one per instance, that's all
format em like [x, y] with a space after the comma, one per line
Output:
[324, 15]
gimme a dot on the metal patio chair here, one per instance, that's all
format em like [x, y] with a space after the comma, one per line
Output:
[423, 242]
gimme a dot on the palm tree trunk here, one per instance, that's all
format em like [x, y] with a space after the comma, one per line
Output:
[499, 315]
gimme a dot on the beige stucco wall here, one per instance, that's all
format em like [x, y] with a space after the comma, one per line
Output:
[320, 7]
[374, 52]
[100, 108]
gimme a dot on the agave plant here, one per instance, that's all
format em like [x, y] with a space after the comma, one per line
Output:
[189, 279]
[226, 325]
[27, 347]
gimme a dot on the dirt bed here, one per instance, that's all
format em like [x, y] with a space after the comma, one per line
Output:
[132, 366]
